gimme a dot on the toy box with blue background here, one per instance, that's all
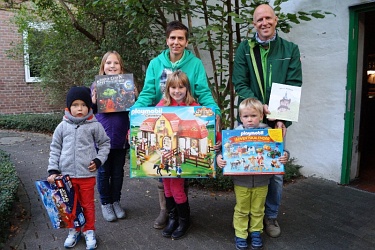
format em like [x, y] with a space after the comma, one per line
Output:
[172, 142]
[61, 203]
[252, 151]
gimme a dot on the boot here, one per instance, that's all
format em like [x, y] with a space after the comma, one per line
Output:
[172, 217]
[161, 220]
[183, 221]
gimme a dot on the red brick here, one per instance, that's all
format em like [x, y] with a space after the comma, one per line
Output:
[17, 96]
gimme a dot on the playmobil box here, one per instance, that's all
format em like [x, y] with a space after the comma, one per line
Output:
[61, 203]
[116, 93]
[252, 151]
[172, 142]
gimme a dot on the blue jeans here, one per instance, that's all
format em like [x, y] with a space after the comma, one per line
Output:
[111, 176]
[273, 200]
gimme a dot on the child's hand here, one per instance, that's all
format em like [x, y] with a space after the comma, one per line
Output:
[220, 161]
[284, 158]
[92, 166]
[93, 95]
[51, 178]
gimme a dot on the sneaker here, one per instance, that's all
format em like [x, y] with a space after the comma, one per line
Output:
[108, 213]
[272, 227]
[256, 240]
[241, 244]
[120, 213]
[73, 238]
[90, 239]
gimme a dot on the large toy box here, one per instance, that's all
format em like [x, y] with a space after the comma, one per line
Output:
[61, 203]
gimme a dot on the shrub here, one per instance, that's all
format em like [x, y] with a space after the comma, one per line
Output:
[220, 183]
[292, 170]
[43, 123]
[8, 188]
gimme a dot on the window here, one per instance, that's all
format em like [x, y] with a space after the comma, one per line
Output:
[33, 38]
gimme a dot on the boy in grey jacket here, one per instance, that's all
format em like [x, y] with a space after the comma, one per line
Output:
[250, 190]
[79, 146]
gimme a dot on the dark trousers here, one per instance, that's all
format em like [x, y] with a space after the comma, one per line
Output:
[111, 176]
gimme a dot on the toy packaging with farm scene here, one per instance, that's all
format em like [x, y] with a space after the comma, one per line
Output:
[60, 202]
[115, 92]
[252, 151]
[172, 142]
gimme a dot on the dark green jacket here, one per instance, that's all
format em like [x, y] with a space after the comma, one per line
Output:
[283, 66]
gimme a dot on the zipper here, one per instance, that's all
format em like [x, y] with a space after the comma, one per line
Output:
[270, 76]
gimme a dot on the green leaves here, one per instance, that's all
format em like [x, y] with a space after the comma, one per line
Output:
[84, 30]
[8, 188]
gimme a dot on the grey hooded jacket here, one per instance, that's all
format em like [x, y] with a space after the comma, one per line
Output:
[75, 143]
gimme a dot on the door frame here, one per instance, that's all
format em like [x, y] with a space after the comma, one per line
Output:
[353, 74]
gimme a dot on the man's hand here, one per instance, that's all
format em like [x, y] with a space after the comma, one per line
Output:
[220, 162]
[280, 124]
[284, 158]
[266, 112]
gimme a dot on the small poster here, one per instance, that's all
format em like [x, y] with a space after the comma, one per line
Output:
[284, 102]
[59, 201]
[172, 142]
[252, 151]
[116, 93]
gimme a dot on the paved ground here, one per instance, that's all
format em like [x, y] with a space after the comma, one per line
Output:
[315, 214]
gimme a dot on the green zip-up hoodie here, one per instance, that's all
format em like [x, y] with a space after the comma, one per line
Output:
[156, 77]
[283, 65]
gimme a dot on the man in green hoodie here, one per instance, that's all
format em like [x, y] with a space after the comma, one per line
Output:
[176, 57]
[260, 61]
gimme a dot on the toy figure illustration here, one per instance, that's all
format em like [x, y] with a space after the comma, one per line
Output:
[251, 150]
[246, 167]
[110, 104]
[227, 147]
[274, 153]
[121, 99]
[139, 162]
[274, 164]
[252, 162]
[159, 167]
[179, 171]
[260, 159]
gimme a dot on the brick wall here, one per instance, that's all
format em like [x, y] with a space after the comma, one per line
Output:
[17, 96]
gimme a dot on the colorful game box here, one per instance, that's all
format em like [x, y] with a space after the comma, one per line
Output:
[116, 93]
[252, 151]
[172, 142]
[60, 202]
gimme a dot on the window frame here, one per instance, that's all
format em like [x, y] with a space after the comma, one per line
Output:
[26, 56]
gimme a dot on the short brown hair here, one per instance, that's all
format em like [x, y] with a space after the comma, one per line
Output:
[176, 25]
